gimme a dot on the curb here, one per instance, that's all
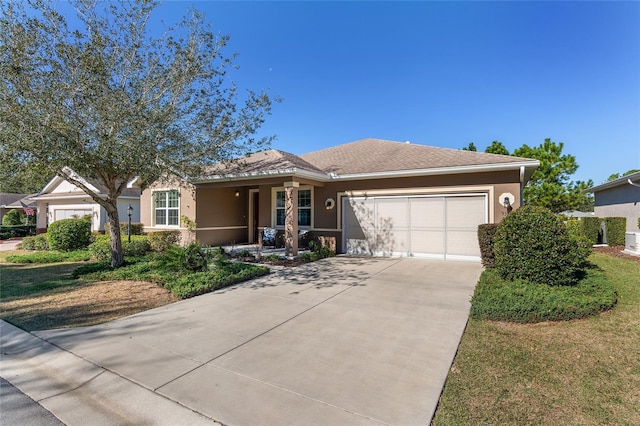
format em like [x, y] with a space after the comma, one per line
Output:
[79, 392]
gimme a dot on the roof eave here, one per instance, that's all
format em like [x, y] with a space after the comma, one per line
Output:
[292, 172]
[624, 180]
[529, 166]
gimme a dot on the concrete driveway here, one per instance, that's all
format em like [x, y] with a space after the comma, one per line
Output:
[340, 341]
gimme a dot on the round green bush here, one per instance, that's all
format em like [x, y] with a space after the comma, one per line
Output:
[14, 217]
[533, 244]
[69, 234]
[36, 242]
[100, 249]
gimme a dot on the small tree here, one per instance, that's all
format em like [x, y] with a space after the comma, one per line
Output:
[106, 101]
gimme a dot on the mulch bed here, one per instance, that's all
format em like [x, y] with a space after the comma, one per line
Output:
[616, 251]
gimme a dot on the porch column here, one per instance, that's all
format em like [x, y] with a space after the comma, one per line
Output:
[291, 218]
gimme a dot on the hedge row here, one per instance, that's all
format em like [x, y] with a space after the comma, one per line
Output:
[136, 228]
[16, 231]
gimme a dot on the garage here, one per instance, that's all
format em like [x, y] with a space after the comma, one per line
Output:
[432, 226]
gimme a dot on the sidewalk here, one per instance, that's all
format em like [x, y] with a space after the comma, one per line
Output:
[79, 392]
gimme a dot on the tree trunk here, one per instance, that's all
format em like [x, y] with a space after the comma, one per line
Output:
[117, 254]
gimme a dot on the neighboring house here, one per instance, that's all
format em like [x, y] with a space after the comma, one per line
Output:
[60, 199]
[14, 201]
[619, 198]
[373, 196]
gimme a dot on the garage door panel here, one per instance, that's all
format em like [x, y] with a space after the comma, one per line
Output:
[428, 226]
[427, 242]
[427, 212]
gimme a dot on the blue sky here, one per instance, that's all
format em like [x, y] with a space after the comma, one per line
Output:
[443, 73]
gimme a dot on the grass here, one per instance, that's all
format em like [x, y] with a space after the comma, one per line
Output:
[36, 296]
[50, 257]
[583, 372]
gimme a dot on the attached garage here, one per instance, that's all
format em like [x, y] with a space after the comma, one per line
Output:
[442, 226]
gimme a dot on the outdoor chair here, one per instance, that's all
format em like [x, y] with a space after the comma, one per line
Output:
[269, 237]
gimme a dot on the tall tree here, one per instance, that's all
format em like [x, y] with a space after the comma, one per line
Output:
[497, 148]
[470, 147]
[550, 185]
[106, 99]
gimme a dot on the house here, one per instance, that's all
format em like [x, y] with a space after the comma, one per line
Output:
[14, 201]
[374, 197]
[60, 199]
[619, 198]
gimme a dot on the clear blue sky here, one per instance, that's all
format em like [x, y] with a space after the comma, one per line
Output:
[443, 73]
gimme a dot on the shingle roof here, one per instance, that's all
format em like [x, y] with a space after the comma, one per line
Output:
[8, 199]
[363, 157]
[265, 161]
[377, 155]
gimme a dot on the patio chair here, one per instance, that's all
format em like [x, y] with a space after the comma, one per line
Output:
[269, 237]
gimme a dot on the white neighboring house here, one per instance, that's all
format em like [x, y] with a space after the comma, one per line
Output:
[60, 199]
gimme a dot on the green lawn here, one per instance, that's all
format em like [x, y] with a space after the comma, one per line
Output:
[583, 372]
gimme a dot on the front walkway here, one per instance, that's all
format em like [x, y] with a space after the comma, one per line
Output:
[339, 341]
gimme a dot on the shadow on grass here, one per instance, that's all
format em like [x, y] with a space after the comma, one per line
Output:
[19, 280]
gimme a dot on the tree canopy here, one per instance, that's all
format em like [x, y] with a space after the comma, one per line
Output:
[110, 101]
[497, 148]
[550, 185]
[615, 176]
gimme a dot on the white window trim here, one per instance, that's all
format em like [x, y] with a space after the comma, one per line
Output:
[153, 208]
[274, 216]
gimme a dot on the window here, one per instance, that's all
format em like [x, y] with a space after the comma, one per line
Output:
[167, 208]
[304, 207]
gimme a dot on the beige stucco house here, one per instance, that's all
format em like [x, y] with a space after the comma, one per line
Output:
[375, 197]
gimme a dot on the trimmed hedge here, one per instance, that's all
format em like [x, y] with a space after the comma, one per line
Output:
[533, 244]
[161, 240]
[136, 228]
[591, 228]
[523, 302]
[486, 234]
[16, 231]
[616, 228]
[100, 249]
[69, 234]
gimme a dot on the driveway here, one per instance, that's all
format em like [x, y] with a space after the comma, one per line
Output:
[339, 341]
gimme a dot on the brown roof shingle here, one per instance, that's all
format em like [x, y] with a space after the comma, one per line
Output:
[377, 155]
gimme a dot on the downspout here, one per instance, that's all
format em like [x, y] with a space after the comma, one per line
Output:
[521, 185]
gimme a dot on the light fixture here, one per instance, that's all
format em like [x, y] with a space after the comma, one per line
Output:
[506, 202]
[237, 193]
[129, 213]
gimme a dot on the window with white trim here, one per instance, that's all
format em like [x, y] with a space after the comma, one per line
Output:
[167, 208]
[304, 207]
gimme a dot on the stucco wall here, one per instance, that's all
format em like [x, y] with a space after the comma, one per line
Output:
[620, 201]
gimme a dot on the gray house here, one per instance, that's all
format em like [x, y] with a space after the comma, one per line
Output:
[619, 198]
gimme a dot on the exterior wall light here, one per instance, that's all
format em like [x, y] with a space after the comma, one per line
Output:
[237, 193]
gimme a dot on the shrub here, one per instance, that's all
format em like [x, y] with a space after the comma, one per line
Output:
[136, 228]
[615, 229]
[523, 302]
[486, 234]
[320, 253]
[575, 229]
[37, 242]
[100, 249]
[17, 217]
[69, 234]
[591, 228]
[533, 244]
[161, 240]
[194, 258]
[16, 231]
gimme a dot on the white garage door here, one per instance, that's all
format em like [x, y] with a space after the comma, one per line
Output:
[443, 226]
